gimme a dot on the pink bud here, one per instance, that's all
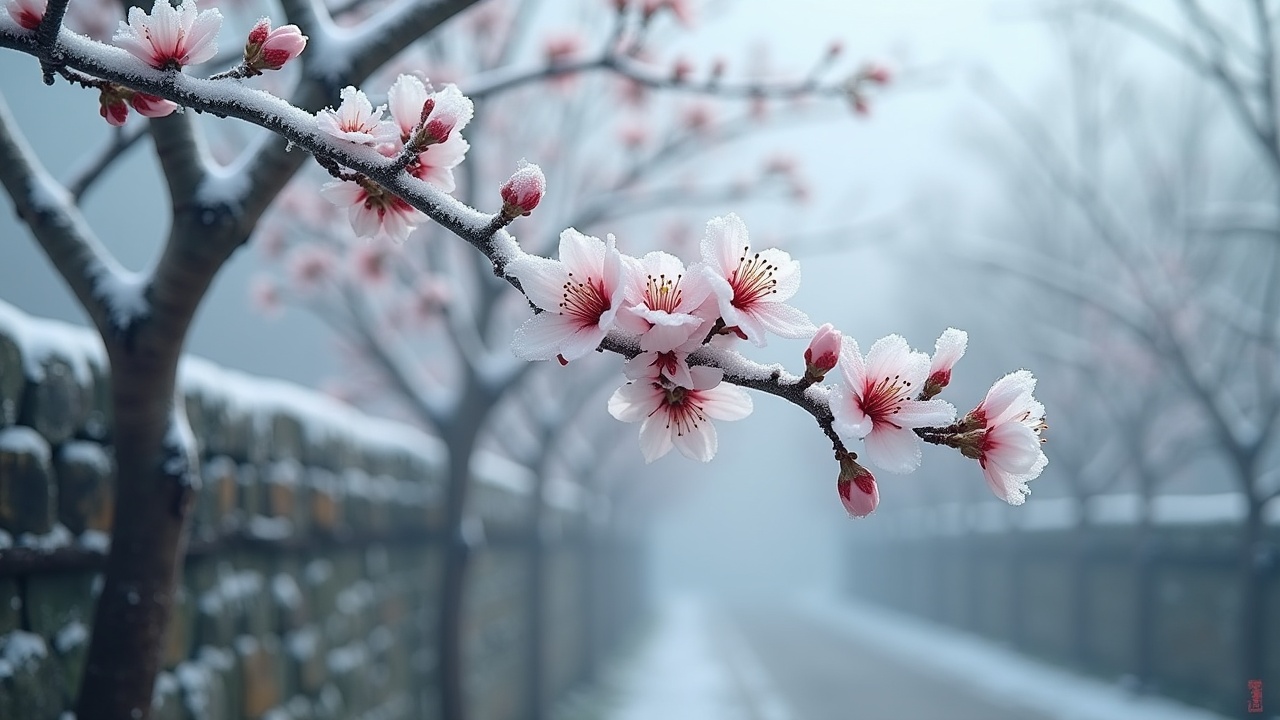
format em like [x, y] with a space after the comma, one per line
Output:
[112, 107]
[152, 106]
[823, 352]
[522, 192]
[427, 106]
[27, 13]
[269, 49]
[857, 487]
[261, 29]
[835, 49]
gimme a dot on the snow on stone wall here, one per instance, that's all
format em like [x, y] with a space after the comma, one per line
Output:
[310, 582]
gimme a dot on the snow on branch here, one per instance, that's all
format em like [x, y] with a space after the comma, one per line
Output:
[113, 297]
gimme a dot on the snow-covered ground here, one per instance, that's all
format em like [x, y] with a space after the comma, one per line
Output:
[993, 671]
[696, 666]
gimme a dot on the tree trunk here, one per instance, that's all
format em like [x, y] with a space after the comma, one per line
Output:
[1144, 610]
[147, 544]
[460, 438]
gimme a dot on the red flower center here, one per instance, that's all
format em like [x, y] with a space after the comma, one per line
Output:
[752, 280]
[882, 399]
[584, 301]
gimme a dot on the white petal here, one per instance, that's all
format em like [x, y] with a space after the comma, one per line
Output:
[726, 402]
[405, 99]
[581, 342]
[655, 437]
[852, 367]
[541, 336]
[894, 449]
[1009, 392]
[1014, 447]
[924, 413]
[202, 38]
[541, 279]
[783, 320]
[705, 378]
[723, 244]
[698, 442]
[850, 420]
[948, 349]
[634, 401]
[786, 274]
[582, 255]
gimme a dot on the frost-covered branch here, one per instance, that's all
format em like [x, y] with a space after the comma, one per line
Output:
[108, 293]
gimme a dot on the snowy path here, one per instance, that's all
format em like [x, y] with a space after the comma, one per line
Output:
[820, 659]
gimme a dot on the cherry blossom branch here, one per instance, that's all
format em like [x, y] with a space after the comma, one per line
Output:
[231, 99]
[50, 211]
[47, 35]
[122, 140]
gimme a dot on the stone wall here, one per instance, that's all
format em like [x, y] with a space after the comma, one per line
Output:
[1084, 597]
[309, 588]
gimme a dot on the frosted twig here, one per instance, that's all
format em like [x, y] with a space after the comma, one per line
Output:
[121, 142]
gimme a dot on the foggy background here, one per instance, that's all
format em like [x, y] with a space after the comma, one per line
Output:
[922, 191]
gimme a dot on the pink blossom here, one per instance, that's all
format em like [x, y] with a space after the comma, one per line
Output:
[356, 120]
[680, 416]
[1009, 446]
[265, 296]
[857, 488]
[151, 106]
[407, 98]
[452, 111]
[170, 37]
[698, 117]
[27, 13]
[947, 352]
[374, 212]
[522, 192]
[269, 49]
[661, 302]
[751, 288]
[310, 267]
[823, 352]
[873, 401]
[580, 293]
[369, 261]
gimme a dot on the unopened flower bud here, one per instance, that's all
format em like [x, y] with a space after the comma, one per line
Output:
[946, 352]
[823, 353]
[112, 106]
[857, 487]
[151, 106]
[522, 192]
[268, 49]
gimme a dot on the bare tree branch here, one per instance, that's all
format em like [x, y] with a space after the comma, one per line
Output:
[55, 221]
